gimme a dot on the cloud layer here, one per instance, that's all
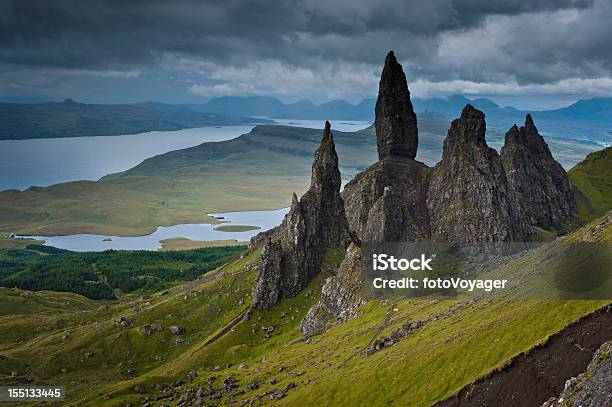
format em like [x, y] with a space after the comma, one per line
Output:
[319, 49]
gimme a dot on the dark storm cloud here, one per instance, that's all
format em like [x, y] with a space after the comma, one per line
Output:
[75, 34]
[519, 41]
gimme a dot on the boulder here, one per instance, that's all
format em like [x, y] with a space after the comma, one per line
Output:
[149, 329]
[177, 330]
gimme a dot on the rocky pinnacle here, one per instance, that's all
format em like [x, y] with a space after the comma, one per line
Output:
[469, 197]
[292, 256]
[396, 122]
[539, 182]
[325, 172]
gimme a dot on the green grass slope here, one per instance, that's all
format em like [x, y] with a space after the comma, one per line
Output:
[63, 338]
[103, 363]
[593, 180]
[12, 243]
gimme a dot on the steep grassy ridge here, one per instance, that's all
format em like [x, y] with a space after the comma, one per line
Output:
[593, 181]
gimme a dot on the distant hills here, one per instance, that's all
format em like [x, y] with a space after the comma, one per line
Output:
[589, 119]
[255, 171]
[591, 178]
[268, 106]
[71, 119]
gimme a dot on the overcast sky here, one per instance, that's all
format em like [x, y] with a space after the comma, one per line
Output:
[532, 54]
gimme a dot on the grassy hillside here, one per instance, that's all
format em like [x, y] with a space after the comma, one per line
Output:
[70, 119]
[10, 243]
[236, 359]
[278, 146]
[182, 243]
[256, 171]
[259, 170]
[593, 180]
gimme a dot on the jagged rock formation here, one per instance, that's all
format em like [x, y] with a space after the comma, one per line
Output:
[396, 122]
[340, 297]
[469, 197]
[293, 252]
[593, 387]
[386, 202]
[466, 197]
[539, 182]
[268, 287]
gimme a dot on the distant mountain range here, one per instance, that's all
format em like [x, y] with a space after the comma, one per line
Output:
[267, 106]
[71, 119]
[590, 118]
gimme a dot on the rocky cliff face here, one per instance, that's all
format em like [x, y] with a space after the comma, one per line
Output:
[396, 122]
[539, 182]
[270, 284]
[339, 300]
[593, 387]
[387, 201]
[293, 252]
[469, 197]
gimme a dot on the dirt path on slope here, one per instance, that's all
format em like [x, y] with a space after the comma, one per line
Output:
[227, 328]
[532, 378]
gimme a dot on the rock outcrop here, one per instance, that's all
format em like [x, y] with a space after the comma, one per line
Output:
[340, 299]
[387, 201]
[293, 252]
[269, 286]
[469, 198]
[593, 387]
[396, 122]
[540, 183]
[466, 197]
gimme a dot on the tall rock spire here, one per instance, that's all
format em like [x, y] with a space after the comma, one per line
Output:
[396, 122]
[292, 256]
[539, 182]
[325, 172]
[469, 198]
